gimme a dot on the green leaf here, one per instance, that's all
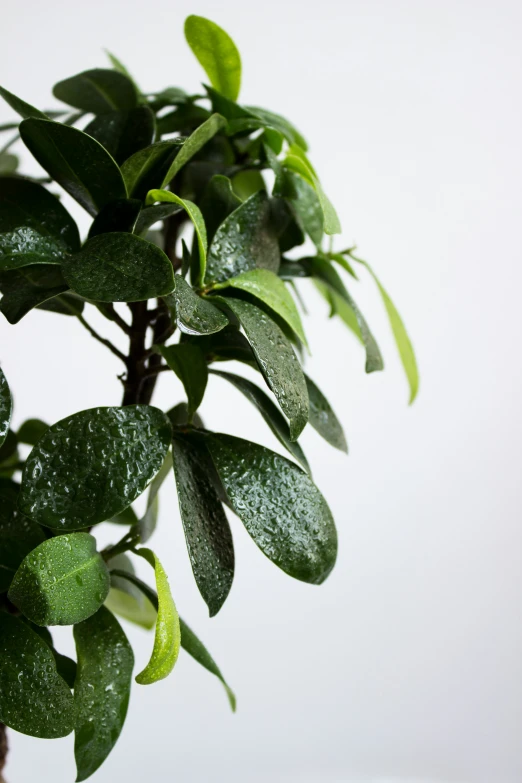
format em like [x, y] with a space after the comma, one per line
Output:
[150, 215]
[120, 215]
[195, 648]
[75, 161]
[302, 168]
[101, 689]
[119, 267]
[22, 108]
[168, 635]
[187, 361]
[343, 262]
[194, 214]
[8, 163]
[28, 287]
[217, 53]
[406, 352]
[78, 473]
[270, 289]
[308, 208]
[146, 169]
[184, 119]
[207, 532]
[272, 120]
[269, 411]
[277, 361]
[245, 240]
[147, 524]
[34, 699]
[6, 407]
[99, 91]
[124, 133]
[31, 431]
[323, 419]
[34, 226]
[125, 598]
[193, 314]
[248, 182]
[218, 201]
[227, 345]
[193, 144]
[18, 535]
[126, 517]
[281, 508]
[61, 582]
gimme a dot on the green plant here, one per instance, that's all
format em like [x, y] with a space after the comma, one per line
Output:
[184, 160]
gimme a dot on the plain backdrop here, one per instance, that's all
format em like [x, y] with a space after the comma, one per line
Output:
[406, 664]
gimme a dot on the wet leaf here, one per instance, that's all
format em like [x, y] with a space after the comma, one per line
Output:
[123, 133]
[99, 91]
[120, 215]
[90, 466]
[195, 648]
[193, 314]
[206, 131]
[18, 535]
[218, 201]
[217, 53]
[29, 287]
[308, 208]
[147, 168]
[272, 120]
[187, 361]
[6, 407]
[323, 419]
[302, 167]
[150, 215]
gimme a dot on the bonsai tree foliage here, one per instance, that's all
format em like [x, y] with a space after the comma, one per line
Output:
[237, 181]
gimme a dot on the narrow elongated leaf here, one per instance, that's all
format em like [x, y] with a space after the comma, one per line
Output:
[308, 208]
[279, 123]
[195, 648]
[147, 524]
[302, 168]
[277, 361]
[76, 161]
[147, 168]
[127, 600]
[281, 508]
[29, 287]
[270, 289]
[187, 361]
[119, 267]
[217, 53]
[34, 226]
[184, 119]
[245, 240]
[99, 91]
[193, 314]
[101, 689]
[85, 460]
[6, 407]
[34, 699]
[323, 419]
[61, 582]
[207, 532]
[227, 345]
[123, 133]
[193, 144]
[25, 110]
[168, 635]
[218, 201]
[18, 535]
[31, 431]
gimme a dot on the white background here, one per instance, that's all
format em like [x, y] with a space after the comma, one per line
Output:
[406, 663]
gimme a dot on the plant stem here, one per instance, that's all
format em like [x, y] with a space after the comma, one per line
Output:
[4, 747]
[101, 339]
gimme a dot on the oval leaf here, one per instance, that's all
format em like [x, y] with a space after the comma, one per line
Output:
[194, 214]
[34, 699]
[187, 361]
[31, 431]
[6, 407]
[101, 689]
[146, 169]
[123, 133]
[61, 582]
[78, 473]
[18, 535]
[323, 419]
[29, 287]
[206, 131]
[99, 91]
[118, 216]
[193, 314]
[217, 53]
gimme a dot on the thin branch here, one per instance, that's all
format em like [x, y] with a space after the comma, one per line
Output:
[151, 373]
[101, 339]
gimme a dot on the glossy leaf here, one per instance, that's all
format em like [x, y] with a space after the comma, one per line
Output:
[119, 267]
[203, 134]
[195, 648]
[25, 110]
[61, 582]
[207, 532]
[300, 167]
[147, 523]
[29, 287]
[118, 216]
[75, 161]
[31, 431]
[277, 361]
[272, 120]
[147, 168]
[323, 419]
[245, 240]
[101, 689]
[78, 473]
[184, 119]
[124, 133]
[99, 91]
[150, 215]
[18, 535]
[193, 314]
[217, 53]
[6, 407]
[308, 208]
[188, 363]
[34, 226]
[167, 635]
[218, 201]
[34, 699]
[125, 599]
[281, 508]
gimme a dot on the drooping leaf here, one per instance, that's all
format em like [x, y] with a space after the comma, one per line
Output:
[146, 169]
[269, 411]
[75, 161]
[308, 208]
[323, 419]
[18, 535]
[84, 460]
[6, 407]
[147, 523]
[195, 648]
[34, 699]
[119, 267]
[218, 201]
[227, 345]
[167, 636]
[203, 134]
[245, 240]
[187, 361]
[61, 582]
[126, 517]
[344, 263]
[29, 287]
[300, 166]
[286, 224]
[118, 216]
[31, 431]
[207, 532]
[99, 91]
[279, 123]
[34, 226]
[25, 110]
[150, 215]
[101, 689]
[277, 361]
[193, 314]
[184, 119]
[217, 53]
[125, 599]
[123, 133]
[270, 289]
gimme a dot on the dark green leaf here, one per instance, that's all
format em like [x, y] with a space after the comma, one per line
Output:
[150, 215]
[245, 240]
[277, 361]
[227, 345]
[147, 524]
[126, 517]
[193, 314]
[31, 431]
[65, 304]
[78, 473]
[308, 208]
[8, 449]
[168, 636]
[18, 535]
[22, 108]
[99, 91]
[286, 226]
[171, 96]
[218, 201]
[195, 648]
[194, 143]
[66, 667]
[272, 120]
[8, 164]
[101, 689]
[207, 532]
[178, 416]
[76, 161]
[323, 419]
[187, 361]
[120, 215]
[123, 133]
[6, 407]
[217, 53]
[184, 119]
[34, 699]
[147, 168]
[28, 287]
[301, 166]
[119, 267]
